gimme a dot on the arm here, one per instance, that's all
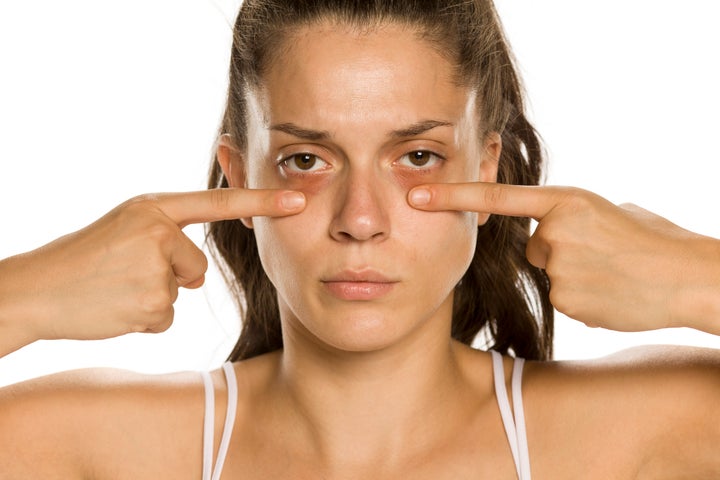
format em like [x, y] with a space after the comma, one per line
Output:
[101, 423]
[125, 268]
[675, 392]
[647, 412]
[621, 268]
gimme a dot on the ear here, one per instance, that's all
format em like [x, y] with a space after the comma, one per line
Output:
[490, 159]
[232, 164]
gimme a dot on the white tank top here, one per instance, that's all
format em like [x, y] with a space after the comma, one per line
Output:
[514, 426]
[210, 473]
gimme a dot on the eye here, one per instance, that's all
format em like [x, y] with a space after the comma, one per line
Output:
[420, 159]
[303, 162]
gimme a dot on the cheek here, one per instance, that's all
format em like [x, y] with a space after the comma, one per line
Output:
[459, 246]
[444, 240]
[288, 245]
[277, 241]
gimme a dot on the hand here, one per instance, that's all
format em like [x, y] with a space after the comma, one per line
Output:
[121, 274]
[621, 268]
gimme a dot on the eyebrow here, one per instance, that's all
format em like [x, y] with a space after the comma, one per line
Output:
[304, 133]
[317, 135]
[419, 128]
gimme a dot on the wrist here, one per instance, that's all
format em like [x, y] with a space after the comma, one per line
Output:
[18, 309]
[699, 305]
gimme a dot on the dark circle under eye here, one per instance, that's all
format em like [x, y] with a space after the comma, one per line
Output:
[419, 158]
[304, 161]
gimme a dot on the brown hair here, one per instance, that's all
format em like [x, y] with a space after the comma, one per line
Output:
[501, 294]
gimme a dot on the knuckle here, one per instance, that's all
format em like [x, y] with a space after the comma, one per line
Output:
[551, 235]
[494, 196]
[154, 269]
[144, 212]
[578, 201]
[158, 324]
[634, 209]
[551, 267]
[203, 263]
[559, 301]
[156, 302]
[564, 301]
[220, 199]
[141, 202]
[163, 324]
[160, 232]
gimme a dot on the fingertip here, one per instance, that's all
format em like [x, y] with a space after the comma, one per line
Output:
[419, 196]
[292, 201]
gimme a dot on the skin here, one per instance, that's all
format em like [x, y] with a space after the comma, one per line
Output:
[137, 296]
[363, 389]
[593, 250]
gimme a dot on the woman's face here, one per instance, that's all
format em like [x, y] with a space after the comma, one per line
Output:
[354, 121]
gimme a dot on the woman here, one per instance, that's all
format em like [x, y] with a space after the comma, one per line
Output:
[363, 143]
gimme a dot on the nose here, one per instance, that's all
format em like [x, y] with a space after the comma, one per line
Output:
[361, 211]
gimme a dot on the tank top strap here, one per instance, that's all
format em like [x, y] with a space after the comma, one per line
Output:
[514, 425]
[208, 473]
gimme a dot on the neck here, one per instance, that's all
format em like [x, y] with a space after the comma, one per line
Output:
[384, 404]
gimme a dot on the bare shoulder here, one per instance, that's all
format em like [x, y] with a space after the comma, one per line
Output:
[89, 423]
[645, 366]
[655, 410]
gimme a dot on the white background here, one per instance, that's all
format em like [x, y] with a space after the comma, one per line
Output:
[101, 101]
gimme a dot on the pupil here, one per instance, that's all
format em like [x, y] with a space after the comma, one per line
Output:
[305, 161]
[419, 158]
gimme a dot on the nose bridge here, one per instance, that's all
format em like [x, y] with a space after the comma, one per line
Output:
[362, 210]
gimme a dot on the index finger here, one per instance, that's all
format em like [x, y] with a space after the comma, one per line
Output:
[493, 198]
[228, 204]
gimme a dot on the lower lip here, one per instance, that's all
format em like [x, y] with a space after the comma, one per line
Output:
[359, 290]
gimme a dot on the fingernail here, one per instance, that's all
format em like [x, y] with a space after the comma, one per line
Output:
[292, 200]
[420, 196]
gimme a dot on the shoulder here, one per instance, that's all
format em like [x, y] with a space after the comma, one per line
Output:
[652, 408]
[636, 368]
[688, 372]
[89, 420]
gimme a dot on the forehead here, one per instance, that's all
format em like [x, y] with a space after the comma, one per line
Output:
[333, 73]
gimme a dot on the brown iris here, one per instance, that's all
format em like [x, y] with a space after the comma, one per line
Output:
[419, 158]
[304, 161]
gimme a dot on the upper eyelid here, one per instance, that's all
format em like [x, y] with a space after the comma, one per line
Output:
[426, 150]
[431, 145]
[308, 146]
[322, 152]
[287, 151]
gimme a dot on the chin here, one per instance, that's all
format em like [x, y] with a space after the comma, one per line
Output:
[358, 332]
[364, 333]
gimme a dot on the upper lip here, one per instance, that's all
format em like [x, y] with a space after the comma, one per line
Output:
[366, 275]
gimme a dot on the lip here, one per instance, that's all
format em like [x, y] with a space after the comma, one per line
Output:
[365, 275]
[359, 285]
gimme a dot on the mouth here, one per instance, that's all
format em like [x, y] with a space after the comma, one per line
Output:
[359, 285]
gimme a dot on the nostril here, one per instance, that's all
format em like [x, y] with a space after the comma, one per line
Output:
[361, 213]
[360, 227]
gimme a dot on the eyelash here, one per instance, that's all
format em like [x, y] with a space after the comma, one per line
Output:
[285, 163]
[292, 169]
[438, 159]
